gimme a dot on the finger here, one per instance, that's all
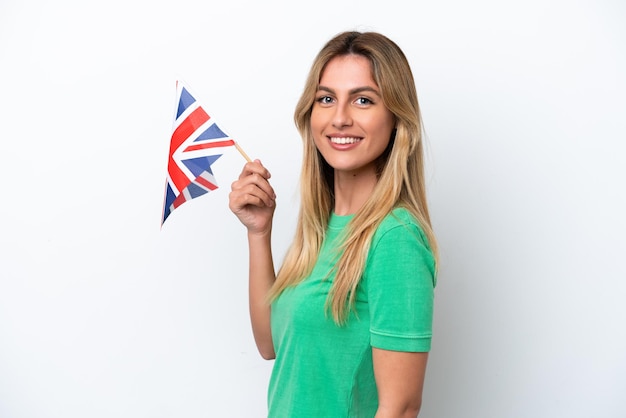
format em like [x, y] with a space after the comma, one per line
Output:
[262, 183]
[238, 202]
[260, 191]
[250, 194]
[254, 167]
[258, 180]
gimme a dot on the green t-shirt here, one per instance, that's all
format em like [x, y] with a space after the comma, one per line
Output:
[323, 370]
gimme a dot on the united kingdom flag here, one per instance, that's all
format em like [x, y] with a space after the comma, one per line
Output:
[196, 143]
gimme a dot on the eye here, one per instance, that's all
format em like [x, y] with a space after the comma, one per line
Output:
[363, 101]
[324, 100]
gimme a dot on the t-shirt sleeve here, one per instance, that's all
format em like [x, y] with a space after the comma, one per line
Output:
[400, 281]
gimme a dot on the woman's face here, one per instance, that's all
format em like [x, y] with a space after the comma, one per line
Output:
[350, 124]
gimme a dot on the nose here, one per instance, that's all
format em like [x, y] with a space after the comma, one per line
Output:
[342, 116]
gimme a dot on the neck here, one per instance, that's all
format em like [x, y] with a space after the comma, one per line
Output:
[352, 190]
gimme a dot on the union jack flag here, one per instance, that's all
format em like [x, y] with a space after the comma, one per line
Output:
[196, 143]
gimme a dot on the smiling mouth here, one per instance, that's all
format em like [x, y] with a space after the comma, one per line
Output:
[347, 140]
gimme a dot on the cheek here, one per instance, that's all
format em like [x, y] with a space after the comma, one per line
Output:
[317, 128]
[316, 122]
[386, 128]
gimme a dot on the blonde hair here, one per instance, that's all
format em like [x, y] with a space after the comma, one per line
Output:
[401, 173]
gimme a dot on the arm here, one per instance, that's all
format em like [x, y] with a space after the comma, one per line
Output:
[261, 278]
[400, 381]
[400, 283]
[252, 200]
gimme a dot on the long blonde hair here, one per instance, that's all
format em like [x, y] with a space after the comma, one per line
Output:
[401, 173]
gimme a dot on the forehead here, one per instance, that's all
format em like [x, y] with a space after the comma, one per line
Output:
[348, 71]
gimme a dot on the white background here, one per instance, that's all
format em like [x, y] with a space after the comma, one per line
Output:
[105, 314]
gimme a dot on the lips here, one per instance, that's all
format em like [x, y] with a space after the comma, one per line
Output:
[345, 140]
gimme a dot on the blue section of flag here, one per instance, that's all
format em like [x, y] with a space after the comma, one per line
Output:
[170, 196]
[186, 100]
[195, 190]
[213, 132]
[201, 164]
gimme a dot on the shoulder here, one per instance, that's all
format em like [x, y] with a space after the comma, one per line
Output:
[400, 222]
[400, 237]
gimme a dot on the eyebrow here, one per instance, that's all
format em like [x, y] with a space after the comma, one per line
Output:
[353, 91]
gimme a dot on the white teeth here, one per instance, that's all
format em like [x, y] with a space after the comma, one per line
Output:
[344, 140]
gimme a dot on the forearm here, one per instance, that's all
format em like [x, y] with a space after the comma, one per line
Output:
[261, 279]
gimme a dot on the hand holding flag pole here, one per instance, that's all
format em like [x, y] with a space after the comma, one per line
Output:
[196, 143]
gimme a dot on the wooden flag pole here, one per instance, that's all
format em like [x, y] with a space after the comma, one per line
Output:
[242, 152]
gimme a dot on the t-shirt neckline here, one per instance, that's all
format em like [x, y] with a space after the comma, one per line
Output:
[339, 221]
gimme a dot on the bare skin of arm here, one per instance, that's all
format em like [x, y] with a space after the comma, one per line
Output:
[252, 200]
[400, 381]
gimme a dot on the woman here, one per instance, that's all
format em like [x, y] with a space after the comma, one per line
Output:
[348, 317]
